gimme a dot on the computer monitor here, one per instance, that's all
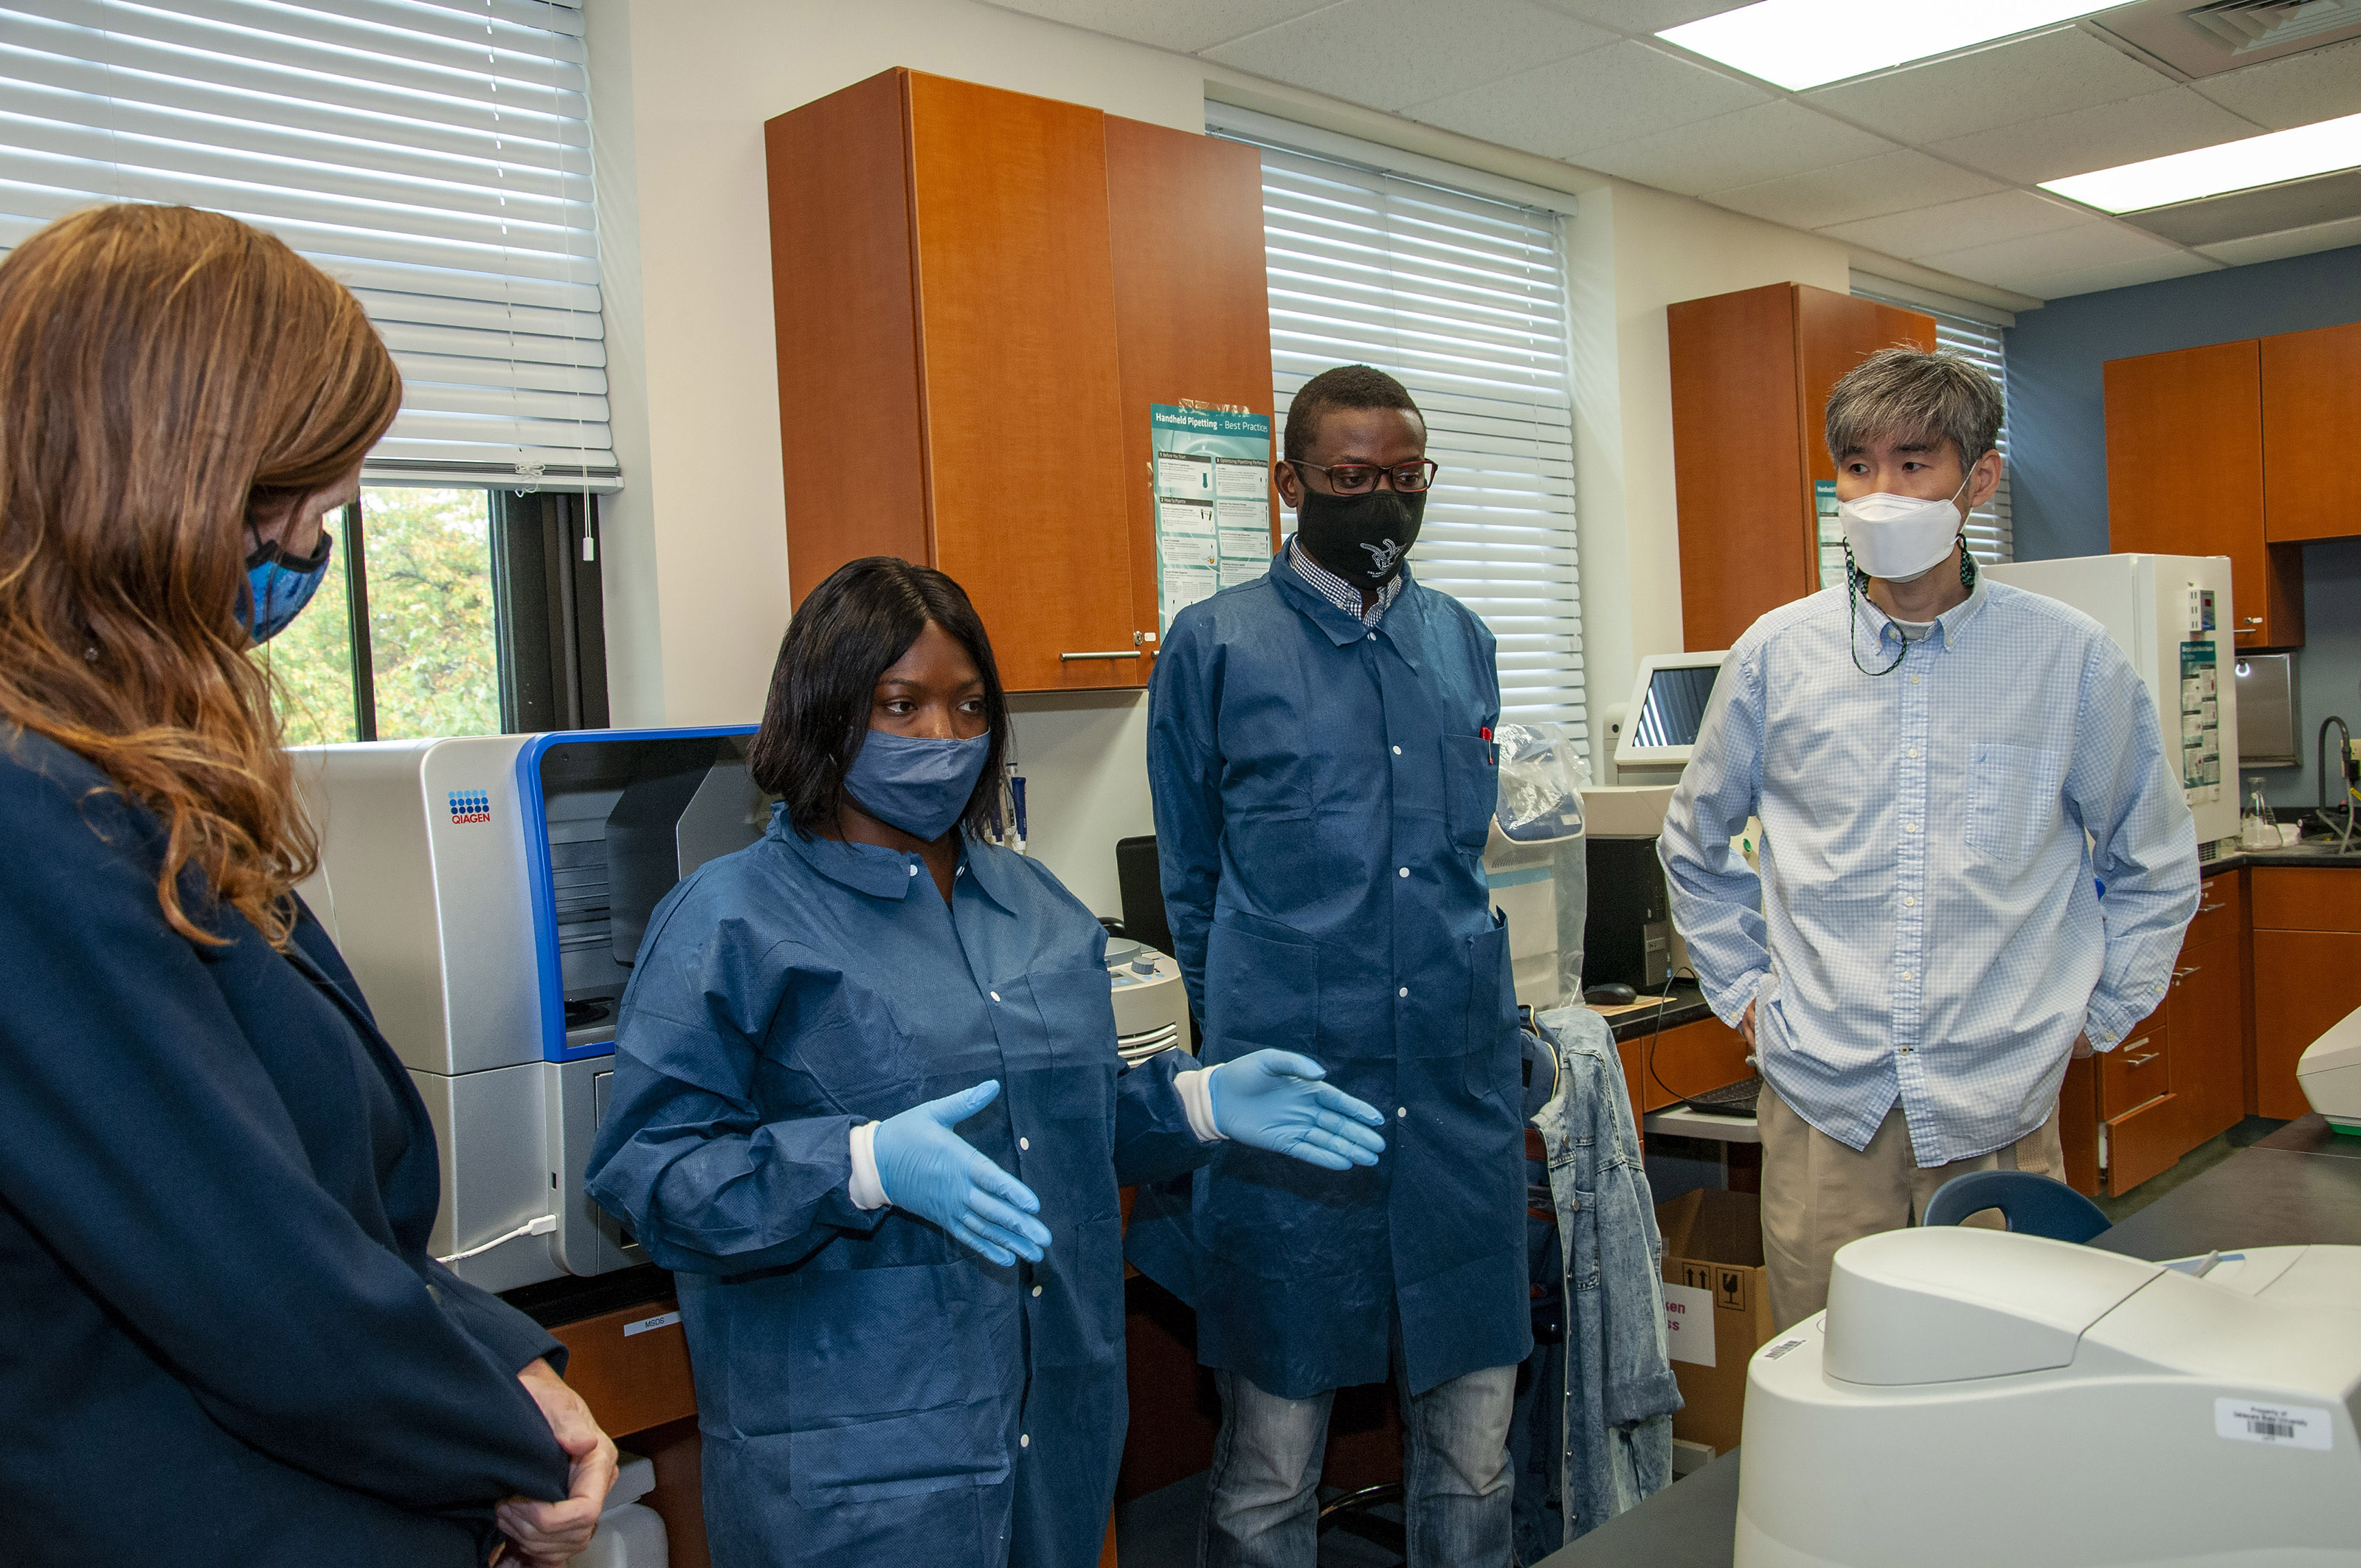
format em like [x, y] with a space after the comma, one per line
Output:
[1668, 698]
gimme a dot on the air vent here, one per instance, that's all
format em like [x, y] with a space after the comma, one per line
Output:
[2194, 41]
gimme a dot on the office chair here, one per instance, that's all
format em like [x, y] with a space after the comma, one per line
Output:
[2033, 1205]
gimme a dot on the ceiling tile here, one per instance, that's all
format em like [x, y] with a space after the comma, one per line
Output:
[1387, 53]
[1641, 16]
[1890, 182]
[2114, 275]
[2048, 73]
[1957, 225]
[1199, 24]
[2091, 244]
[2287, 242]
[2299, 90]
[1764, 142]
[1609, 96]
[2126, 131]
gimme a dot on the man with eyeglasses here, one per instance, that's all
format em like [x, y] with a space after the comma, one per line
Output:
[1320, 748]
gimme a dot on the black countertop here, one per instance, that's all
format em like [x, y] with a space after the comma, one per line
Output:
[2311, 853]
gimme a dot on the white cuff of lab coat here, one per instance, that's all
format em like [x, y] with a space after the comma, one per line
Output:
[1197, 1098]
[867, 1188]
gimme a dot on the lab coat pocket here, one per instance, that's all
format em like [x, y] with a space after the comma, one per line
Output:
[1260, 989]
[1079, 1060]
[1471, 787]
[1495, 1058]
[2016, 798]
[878, 1401]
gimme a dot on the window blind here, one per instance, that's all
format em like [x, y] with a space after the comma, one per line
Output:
[1461, 298]
[1992, 538]
[433, 155]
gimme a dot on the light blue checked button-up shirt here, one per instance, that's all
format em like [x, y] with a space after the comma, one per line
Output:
[1925, 927]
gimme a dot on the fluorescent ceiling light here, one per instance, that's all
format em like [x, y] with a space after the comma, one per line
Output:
[1797, 44]
[2299, 154]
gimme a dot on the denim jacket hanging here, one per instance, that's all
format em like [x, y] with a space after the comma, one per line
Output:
[1619, 1392]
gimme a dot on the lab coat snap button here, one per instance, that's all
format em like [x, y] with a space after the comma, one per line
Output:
[1036, 1290]
[1024, 1143]
[994, 995]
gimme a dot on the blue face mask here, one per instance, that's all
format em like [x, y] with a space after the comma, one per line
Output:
[278, 586]
[920, 785]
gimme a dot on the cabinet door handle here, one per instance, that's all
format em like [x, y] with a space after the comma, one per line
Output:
[2181, 974]
[1110, 653]
[2210, 908]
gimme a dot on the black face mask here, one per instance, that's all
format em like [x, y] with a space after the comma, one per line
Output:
[1363, 538]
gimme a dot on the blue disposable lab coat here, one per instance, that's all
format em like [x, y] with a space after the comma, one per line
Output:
[1322, 794]
[223, 1343]
[869, 1390]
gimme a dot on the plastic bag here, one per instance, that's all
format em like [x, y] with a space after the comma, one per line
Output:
[1543, 775]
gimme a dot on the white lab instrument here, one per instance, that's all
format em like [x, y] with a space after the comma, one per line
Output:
[490, 893]
[2173, 617]
[1151, 1003]
[1974, 1397]
[630, 1534]
[1659, 725]
[2329, 1073]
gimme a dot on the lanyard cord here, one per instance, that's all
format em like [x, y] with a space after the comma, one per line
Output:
[1855, 578]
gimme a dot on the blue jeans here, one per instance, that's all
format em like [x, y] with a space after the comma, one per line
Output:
[1262, 1506]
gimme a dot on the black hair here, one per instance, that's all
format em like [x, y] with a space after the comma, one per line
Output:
[1344, 386]
[848, 631]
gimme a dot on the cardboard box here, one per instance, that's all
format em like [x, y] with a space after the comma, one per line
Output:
[1717, 1308]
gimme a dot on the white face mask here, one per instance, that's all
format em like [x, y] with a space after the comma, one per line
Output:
[1901, 538]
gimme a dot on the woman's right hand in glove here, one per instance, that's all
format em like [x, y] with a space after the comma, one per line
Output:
[930, 1170]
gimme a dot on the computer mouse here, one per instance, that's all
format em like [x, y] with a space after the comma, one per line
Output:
[1614, 995]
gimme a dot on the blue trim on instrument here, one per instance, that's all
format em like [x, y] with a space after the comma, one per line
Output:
[541, 884]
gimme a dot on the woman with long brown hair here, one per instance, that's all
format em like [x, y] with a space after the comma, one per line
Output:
[222, 1339]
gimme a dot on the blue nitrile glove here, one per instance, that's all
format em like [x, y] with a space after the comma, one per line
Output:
[1274, 1099]
[933, 1172]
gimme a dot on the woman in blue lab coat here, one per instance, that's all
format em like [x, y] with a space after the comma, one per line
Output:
[907, 1340]
[224, 1343]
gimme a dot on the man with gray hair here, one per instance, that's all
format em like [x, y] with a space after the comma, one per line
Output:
[1927, 944]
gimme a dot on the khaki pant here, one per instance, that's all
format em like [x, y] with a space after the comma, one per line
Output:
[1818, 1194]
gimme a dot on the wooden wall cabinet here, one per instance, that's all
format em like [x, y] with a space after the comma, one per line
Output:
[2186, 477]
[2312, 405]
[1751, 373]
[2306, 923]
[978, 295]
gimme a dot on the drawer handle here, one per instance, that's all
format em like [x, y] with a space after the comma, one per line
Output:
[2142, 1061]
[1111, 653]
[2210, 908]
[2181, 974]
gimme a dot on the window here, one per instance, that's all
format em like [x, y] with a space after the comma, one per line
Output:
[1461, 297]
[448, 612]
[434, 157]
[1992, 538]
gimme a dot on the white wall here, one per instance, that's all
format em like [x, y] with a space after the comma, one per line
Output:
[695, 547]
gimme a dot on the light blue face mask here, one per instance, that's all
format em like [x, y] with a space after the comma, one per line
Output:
[278, 586]
[918, 785]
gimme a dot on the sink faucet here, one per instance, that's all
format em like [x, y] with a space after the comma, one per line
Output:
[2348, 778]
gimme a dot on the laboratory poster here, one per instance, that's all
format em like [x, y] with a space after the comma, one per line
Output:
[1832, 533]
[2200, 723]
[1212, 502]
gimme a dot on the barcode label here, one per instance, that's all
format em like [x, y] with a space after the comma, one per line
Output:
[1782, 1348]
[2296, 1426]
[661, 1321]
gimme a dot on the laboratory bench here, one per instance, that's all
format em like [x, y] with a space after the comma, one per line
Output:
[2299, 1185]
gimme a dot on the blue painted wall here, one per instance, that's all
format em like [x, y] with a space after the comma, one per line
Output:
[2058, 441]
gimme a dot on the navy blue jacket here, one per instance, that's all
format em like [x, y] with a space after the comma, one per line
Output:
[1323, 790]
[222, 1341]
[870, 1391]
